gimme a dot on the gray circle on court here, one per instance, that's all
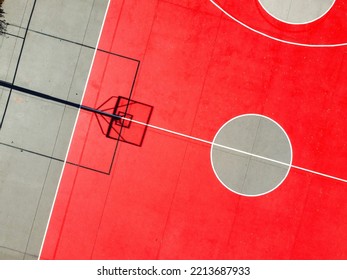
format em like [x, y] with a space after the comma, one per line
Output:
[297, 11]
[251, 155]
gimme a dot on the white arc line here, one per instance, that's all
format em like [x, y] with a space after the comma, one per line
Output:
[275, 38]
[233, 149]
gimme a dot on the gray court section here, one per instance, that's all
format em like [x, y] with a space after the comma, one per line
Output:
[246, 174]
[297, 11]
[50, 52]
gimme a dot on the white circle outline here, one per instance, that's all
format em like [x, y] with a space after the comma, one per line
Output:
[289, 164]
[297, 23]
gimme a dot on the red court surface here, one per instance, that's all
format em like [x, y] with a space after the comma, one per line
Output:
[198, 69]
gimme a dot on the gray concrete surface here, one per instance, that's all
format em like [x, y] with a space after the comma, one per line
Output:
[57, 49]
[246, 174]
[297, 11]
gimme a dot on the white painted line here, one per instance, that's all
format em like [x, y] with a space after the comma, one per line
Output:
[319, 173]
[74, 128]
[235, 150]
[298, 23]
[275, 38]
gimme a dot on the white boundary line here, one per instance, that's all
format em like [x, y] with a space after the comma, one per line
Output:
[234, 150]
[275, 38]
[297, 23]
[74, 128]
[251, 154]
